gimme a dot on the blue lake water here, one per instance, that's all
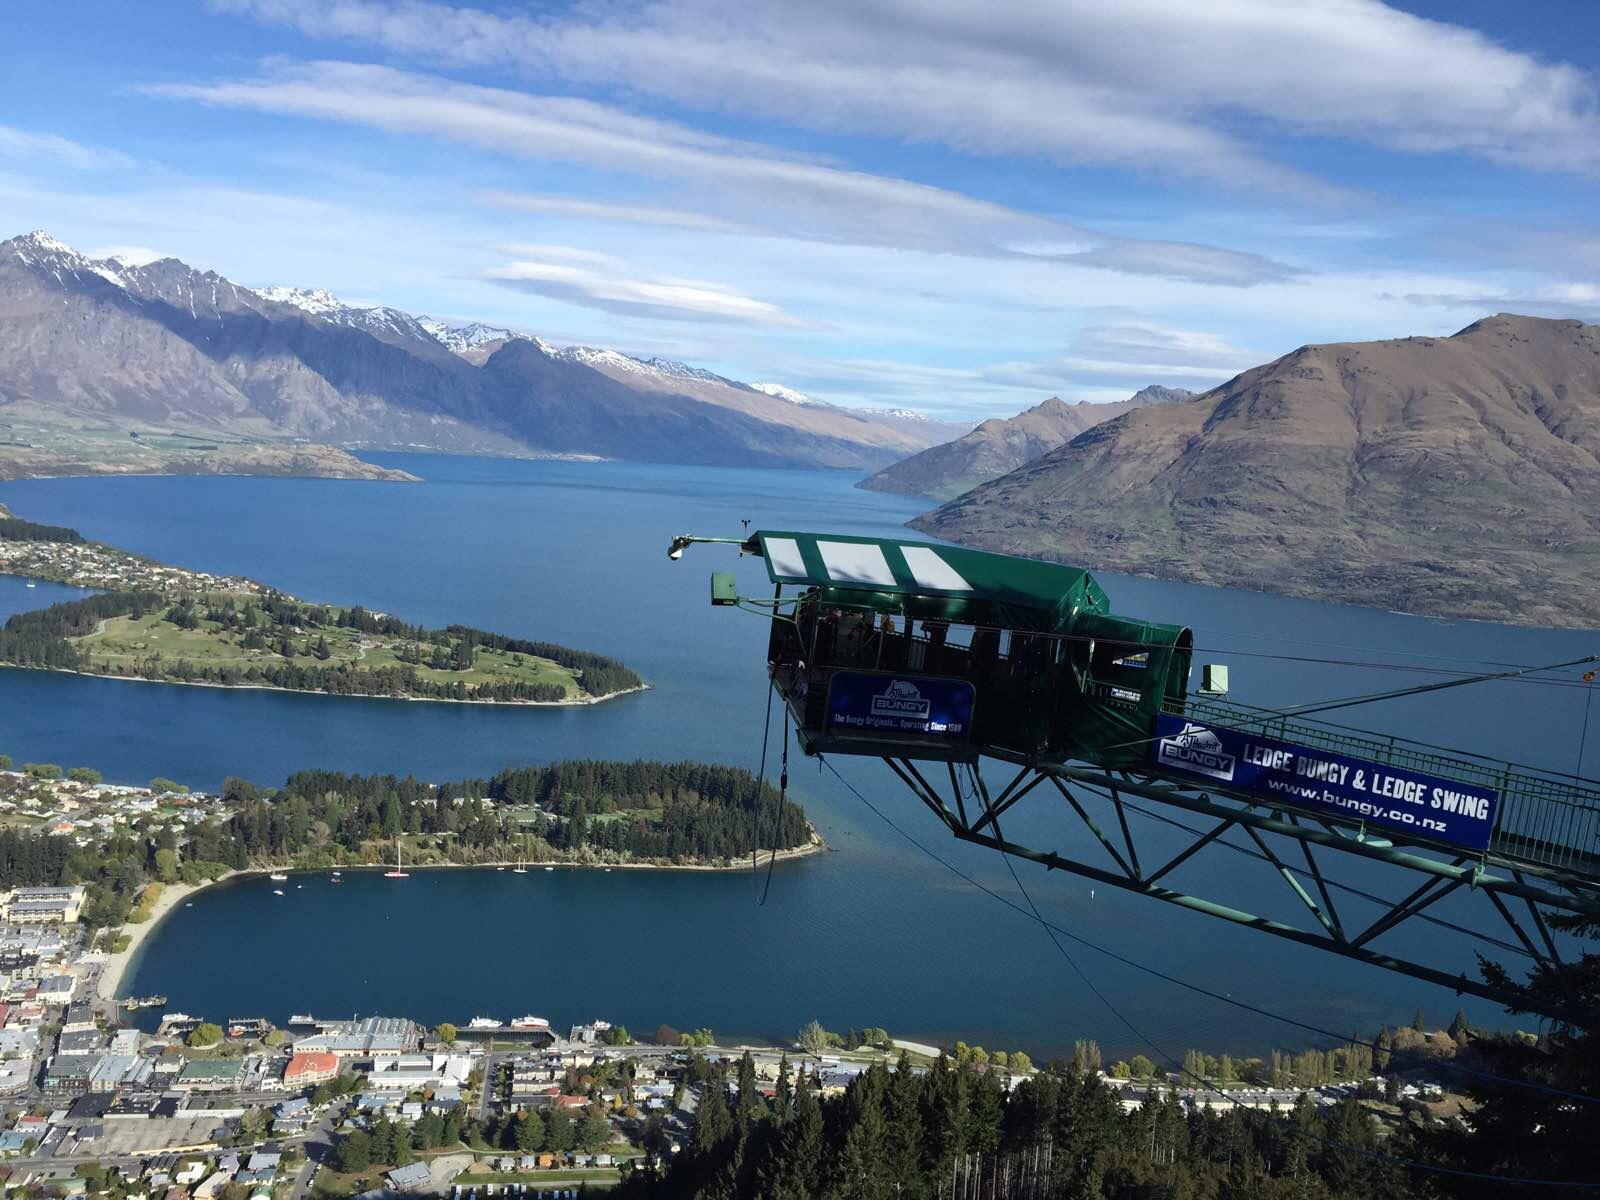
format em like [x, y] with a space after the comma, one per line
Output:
[872, 933]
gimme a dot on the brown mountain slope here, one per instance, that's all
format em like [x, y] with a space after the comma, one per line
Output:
[1456, 476]
[1000, 446]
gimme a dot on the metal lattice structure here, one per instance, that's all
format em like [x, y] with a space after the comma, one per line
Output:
[940, 660]
[1512, 892]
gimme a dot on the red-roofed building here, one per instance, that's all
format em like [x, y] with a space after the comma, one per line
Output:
[573, 1101]
[310, 1066]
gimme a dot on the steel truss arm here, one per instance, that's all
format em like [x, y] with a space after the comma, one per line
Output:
[1441, 878]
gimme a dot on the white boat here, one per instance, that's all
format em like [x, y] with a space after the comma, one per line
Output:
[31, 583]
[530, 1022]
[483, 1023]
[399, 871]
[549, 868]
[277, 891]
[277, 877]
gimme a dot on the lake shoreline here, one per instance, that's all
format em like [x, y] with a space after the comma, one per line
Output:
[116, 965]
[270, 687]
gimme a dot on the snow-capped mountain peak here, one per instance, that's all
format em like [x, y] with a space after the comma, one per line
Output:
[41, 241]
[780, 392]
[460, 338]
[319, 302]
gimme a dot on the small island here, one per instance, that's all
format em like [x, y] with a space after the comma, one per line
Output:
[167, 624]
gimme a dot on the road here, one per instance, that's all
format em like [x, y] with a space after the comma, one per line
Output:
[317, 1142]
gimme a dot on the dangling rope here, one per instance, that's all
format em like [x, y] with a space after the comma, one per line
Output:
[762, 889]
[761, 782]
[1583, 738]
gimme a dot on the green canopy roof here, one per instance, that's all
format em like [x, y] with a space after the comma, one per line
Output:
[895, 566]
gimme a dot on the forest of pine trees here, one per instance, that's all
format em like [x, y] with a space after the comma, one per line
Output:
[15, 529]
[956, 1132]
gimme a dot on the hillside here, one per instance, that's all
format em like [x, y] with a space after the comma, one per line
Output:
[107, 365]
[1455, 476]
[1000, 446]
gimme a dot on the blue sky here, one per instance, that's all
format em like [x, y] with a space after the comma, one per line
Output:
[960, 208]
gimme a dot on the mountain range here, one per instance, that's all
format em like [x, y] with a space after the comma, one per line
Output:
[98, 354]
[1455, 476]
[1000, 446]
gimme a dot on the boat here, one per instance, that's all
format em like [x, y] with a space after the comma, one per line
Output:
[399, 871]
[483, 1023]
[277, 877]
[549, 868]
[530, 1022]
[133, 1002]
[31, 583]
[277, 891]
[336, 879]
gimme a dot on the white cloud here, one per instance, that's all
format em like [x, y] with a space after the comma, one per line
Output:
[1154, 84]
[26, 146]
[602, 210]
[783, 195]
[608, 283]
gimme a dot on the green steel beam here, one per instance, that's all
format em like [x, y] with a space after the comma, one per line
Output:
[1458, 983]
[1474, 876]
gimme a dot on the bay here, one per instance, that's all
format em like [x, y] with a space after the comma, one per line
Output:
[875, 932]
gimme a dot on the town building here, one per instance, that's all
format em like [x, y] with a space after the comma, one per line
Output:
[307, 1067]
[42, 905]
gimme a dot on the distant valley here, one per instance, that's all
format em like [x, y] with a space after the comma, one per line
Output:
[1000, 446]
[110, 366]
[1455, 476]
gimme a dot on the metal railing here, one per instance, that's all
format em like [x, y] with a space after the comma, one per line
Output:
[1543, 818]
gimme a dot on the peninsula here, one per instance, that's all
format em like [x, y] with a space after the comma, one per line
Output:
[133, 853]
[157, 622]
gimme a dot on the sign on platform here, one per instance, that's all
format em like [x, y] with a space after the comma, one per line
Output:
[1441, 810]
[892, 704]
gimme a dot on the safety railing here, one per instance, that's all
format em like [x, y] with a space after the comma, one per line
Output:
[1544, 818]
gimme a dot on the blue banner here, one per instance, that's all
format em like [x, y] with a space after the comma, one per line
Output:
[1354, 789]
[896, 704]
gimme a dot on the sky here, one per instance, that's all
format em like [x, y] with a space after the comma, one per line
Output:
[960, 208]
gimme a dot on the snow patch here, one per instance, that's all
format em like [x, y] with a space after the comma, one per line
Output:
[458, 339]
[780, 392]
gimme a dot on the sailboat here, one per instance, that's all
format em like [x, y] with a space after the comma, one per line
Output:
[522, 867]
[398, 872]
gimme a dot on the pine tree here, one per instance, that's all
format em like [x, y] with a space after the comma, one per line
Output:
[713, 1123]
[785, 1097]
[750, 1104]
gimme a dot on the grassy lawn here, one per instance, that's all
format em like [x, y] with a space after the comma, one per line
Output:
[127, 643]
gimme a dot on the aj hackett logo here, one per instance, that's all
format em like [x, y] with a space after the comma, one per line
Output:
[1196, 748]
[901, 700]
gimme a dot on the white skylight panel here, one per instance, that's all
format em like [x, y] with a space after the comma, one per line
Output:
[784, 555]
[931, 571]
[856, 562]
